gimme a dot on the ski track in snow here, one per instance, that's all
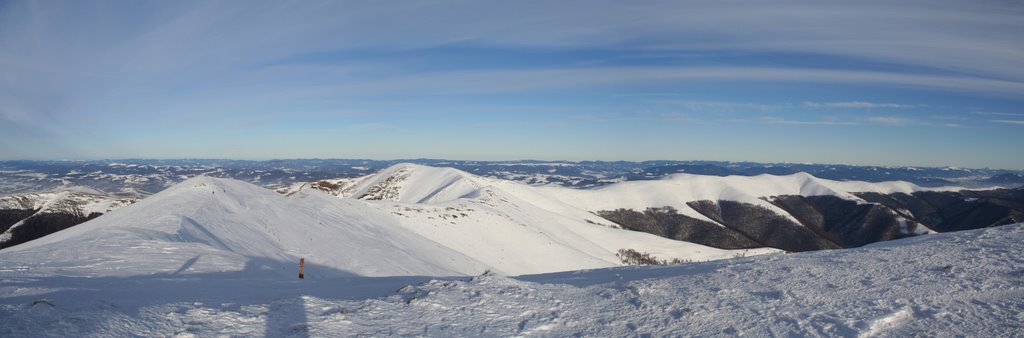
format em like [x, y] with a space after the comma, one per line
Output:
[954, 284]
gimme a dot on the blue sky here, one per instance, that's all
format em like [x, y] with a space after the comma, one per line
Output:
[929, 83]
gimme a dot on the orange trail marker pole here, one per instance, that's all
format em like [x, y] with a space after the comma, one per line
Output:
[302, 267]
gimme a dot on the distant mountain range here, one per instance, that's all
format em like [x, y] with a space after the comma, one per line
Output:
[138, 178]
[506, 225]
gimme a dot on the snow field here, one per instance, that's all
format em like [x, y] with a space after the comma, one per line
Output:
[954, 284]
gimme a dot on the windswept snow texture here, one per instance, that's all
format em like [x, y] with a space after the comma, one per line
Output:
[955, 284]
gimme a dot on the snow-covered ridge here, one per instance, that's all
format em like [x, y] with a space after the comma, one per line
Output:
[679, 189]
[78, 201]
[82, 200]
[425, 215]
[207, 224]
[412, 183]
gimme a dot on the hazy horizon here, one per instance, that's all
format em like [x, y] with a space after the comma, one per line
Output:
[509, 160]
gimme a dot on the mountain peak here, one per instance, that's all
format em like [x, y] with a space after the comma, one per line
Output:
[208, 224]
[413, 183]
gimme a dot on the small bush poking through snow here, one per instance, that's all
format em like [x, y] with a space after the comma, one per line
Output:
[633, 257]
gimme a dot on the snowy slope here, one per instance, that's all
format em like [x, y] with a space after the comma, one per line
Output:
[516, 237]
[411, 183]
[75, 200]
[341, 187]
[676, 190]
[72, 201]
[478, 217]
[418, 184]
[953, 284]
[210, 225]
[207, 225]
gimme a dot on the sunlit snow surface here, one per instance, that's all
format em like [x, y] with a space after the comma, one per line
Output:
[955, 284]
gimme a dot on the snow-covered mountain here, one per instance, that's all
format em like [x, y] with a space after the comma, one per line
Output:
[25, 217]
[68, 200]
[796, 212]
[206, 224]
[412, 183]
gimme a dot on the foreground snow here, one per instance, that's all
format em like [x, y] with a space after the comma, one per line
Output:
[967, 283]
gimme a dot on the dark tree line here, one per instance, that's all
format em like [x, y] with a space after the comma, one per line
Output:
[846, 222]
[9, 217]
[825, 222]
[44, 224]
[667, 222]
[955, 211]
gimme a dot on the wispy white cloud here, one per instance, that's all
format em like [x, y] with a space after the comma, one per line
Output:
[1009, 121]
[60, 52]
[605, 118]
[949, 117]
[641, 117]
[782, 120]
[75, 65]
[887, 120]
[989, 113]
[191, 42]
[858, 105]
[875, 120]
[520, 80]
[721, 106]
[680, 118]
